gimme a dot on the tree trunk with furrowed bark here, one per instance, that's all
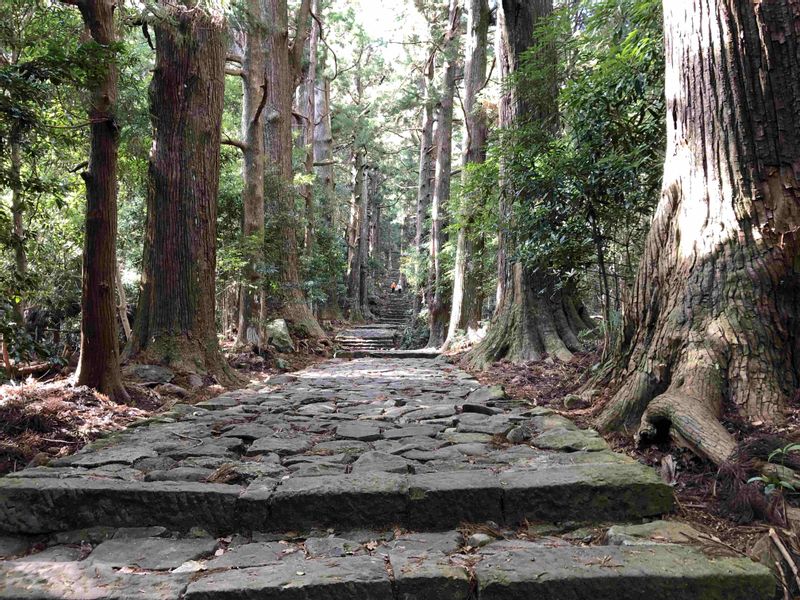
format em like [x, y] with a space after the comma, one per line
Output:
[98, 366]
[712, 326]
[175, 322]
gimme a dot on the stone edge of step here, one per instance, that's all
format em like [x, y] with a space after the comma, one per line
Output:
[430, 501]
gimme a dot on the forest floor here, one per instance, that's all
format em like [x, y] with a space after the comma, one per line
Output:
[737, 522]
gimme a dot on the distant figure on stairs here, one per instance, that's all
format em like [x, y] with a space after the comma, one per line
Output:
[399, 287]
[394, 287]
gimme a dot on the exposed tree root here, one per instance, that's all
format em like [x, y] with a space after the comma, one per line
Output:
[690, 423]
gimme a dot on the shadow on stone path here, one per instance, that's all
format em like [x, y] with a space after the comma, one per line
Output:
[370, 478]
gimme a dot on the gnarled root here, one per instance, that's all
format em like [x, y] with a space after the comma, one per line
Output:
[690, 422]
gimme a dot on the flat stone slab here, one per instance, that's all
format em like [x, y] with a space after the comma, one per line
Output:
[107, 456]
[364, 432]
[280, 446]
[152, 554]
[570, 440]
[361, 577]
[613, 573]
[257, 554]
[81, 581]
[382, 566]
[418, 577]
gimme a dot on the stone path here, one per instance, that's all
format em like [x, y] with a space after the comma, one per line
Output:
[367, 479]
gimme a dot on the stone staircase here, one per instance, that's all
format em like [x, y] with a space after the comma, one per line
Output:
[394, 308]
[381, 338]
[368, 479]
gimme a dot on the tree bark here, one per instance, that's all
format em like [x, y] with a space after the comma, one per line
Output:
[308, 107]
[712, 322]
[529, 321]
[283, 72]
[98, 366]
[425, 176]
[254, 88]
[439, 309]
[462, 312]
[323, 159]
[17, 214]
[122, 305]
[175, 322]
[358, 239]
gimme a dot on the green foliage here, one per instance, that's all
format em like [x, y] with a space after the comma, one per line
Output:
[777, 480]
[584, 176]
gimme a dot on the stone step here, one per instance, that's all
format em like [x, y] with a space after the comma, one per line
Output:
[379, 344]
[366, 343]
[403, 354]
[356, 339]
[542, 573]
[427, 501]
[410, 567]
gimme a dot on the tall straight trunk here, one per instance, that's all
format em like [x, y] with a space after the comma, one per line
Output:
[254, 88]
[283, 71]
[425, 174]
[309, 111]
[98, 366]
[368, 199]
[323, 161]
[323, 136]
[502, 54]
[529, 321]
[441, 189]
[17, 214]
[462, 311]
[175, 320]
[374, 227]
[356, 238]
[713, 319]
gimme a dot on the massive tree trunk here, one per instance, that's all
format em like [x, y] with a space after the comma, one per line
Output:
[98, 366]
[425, 175]
[254, 88]
[530, 321]
[713, 321]
[175, 320]
[463, 313]
[439, 309]
[283, 71]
